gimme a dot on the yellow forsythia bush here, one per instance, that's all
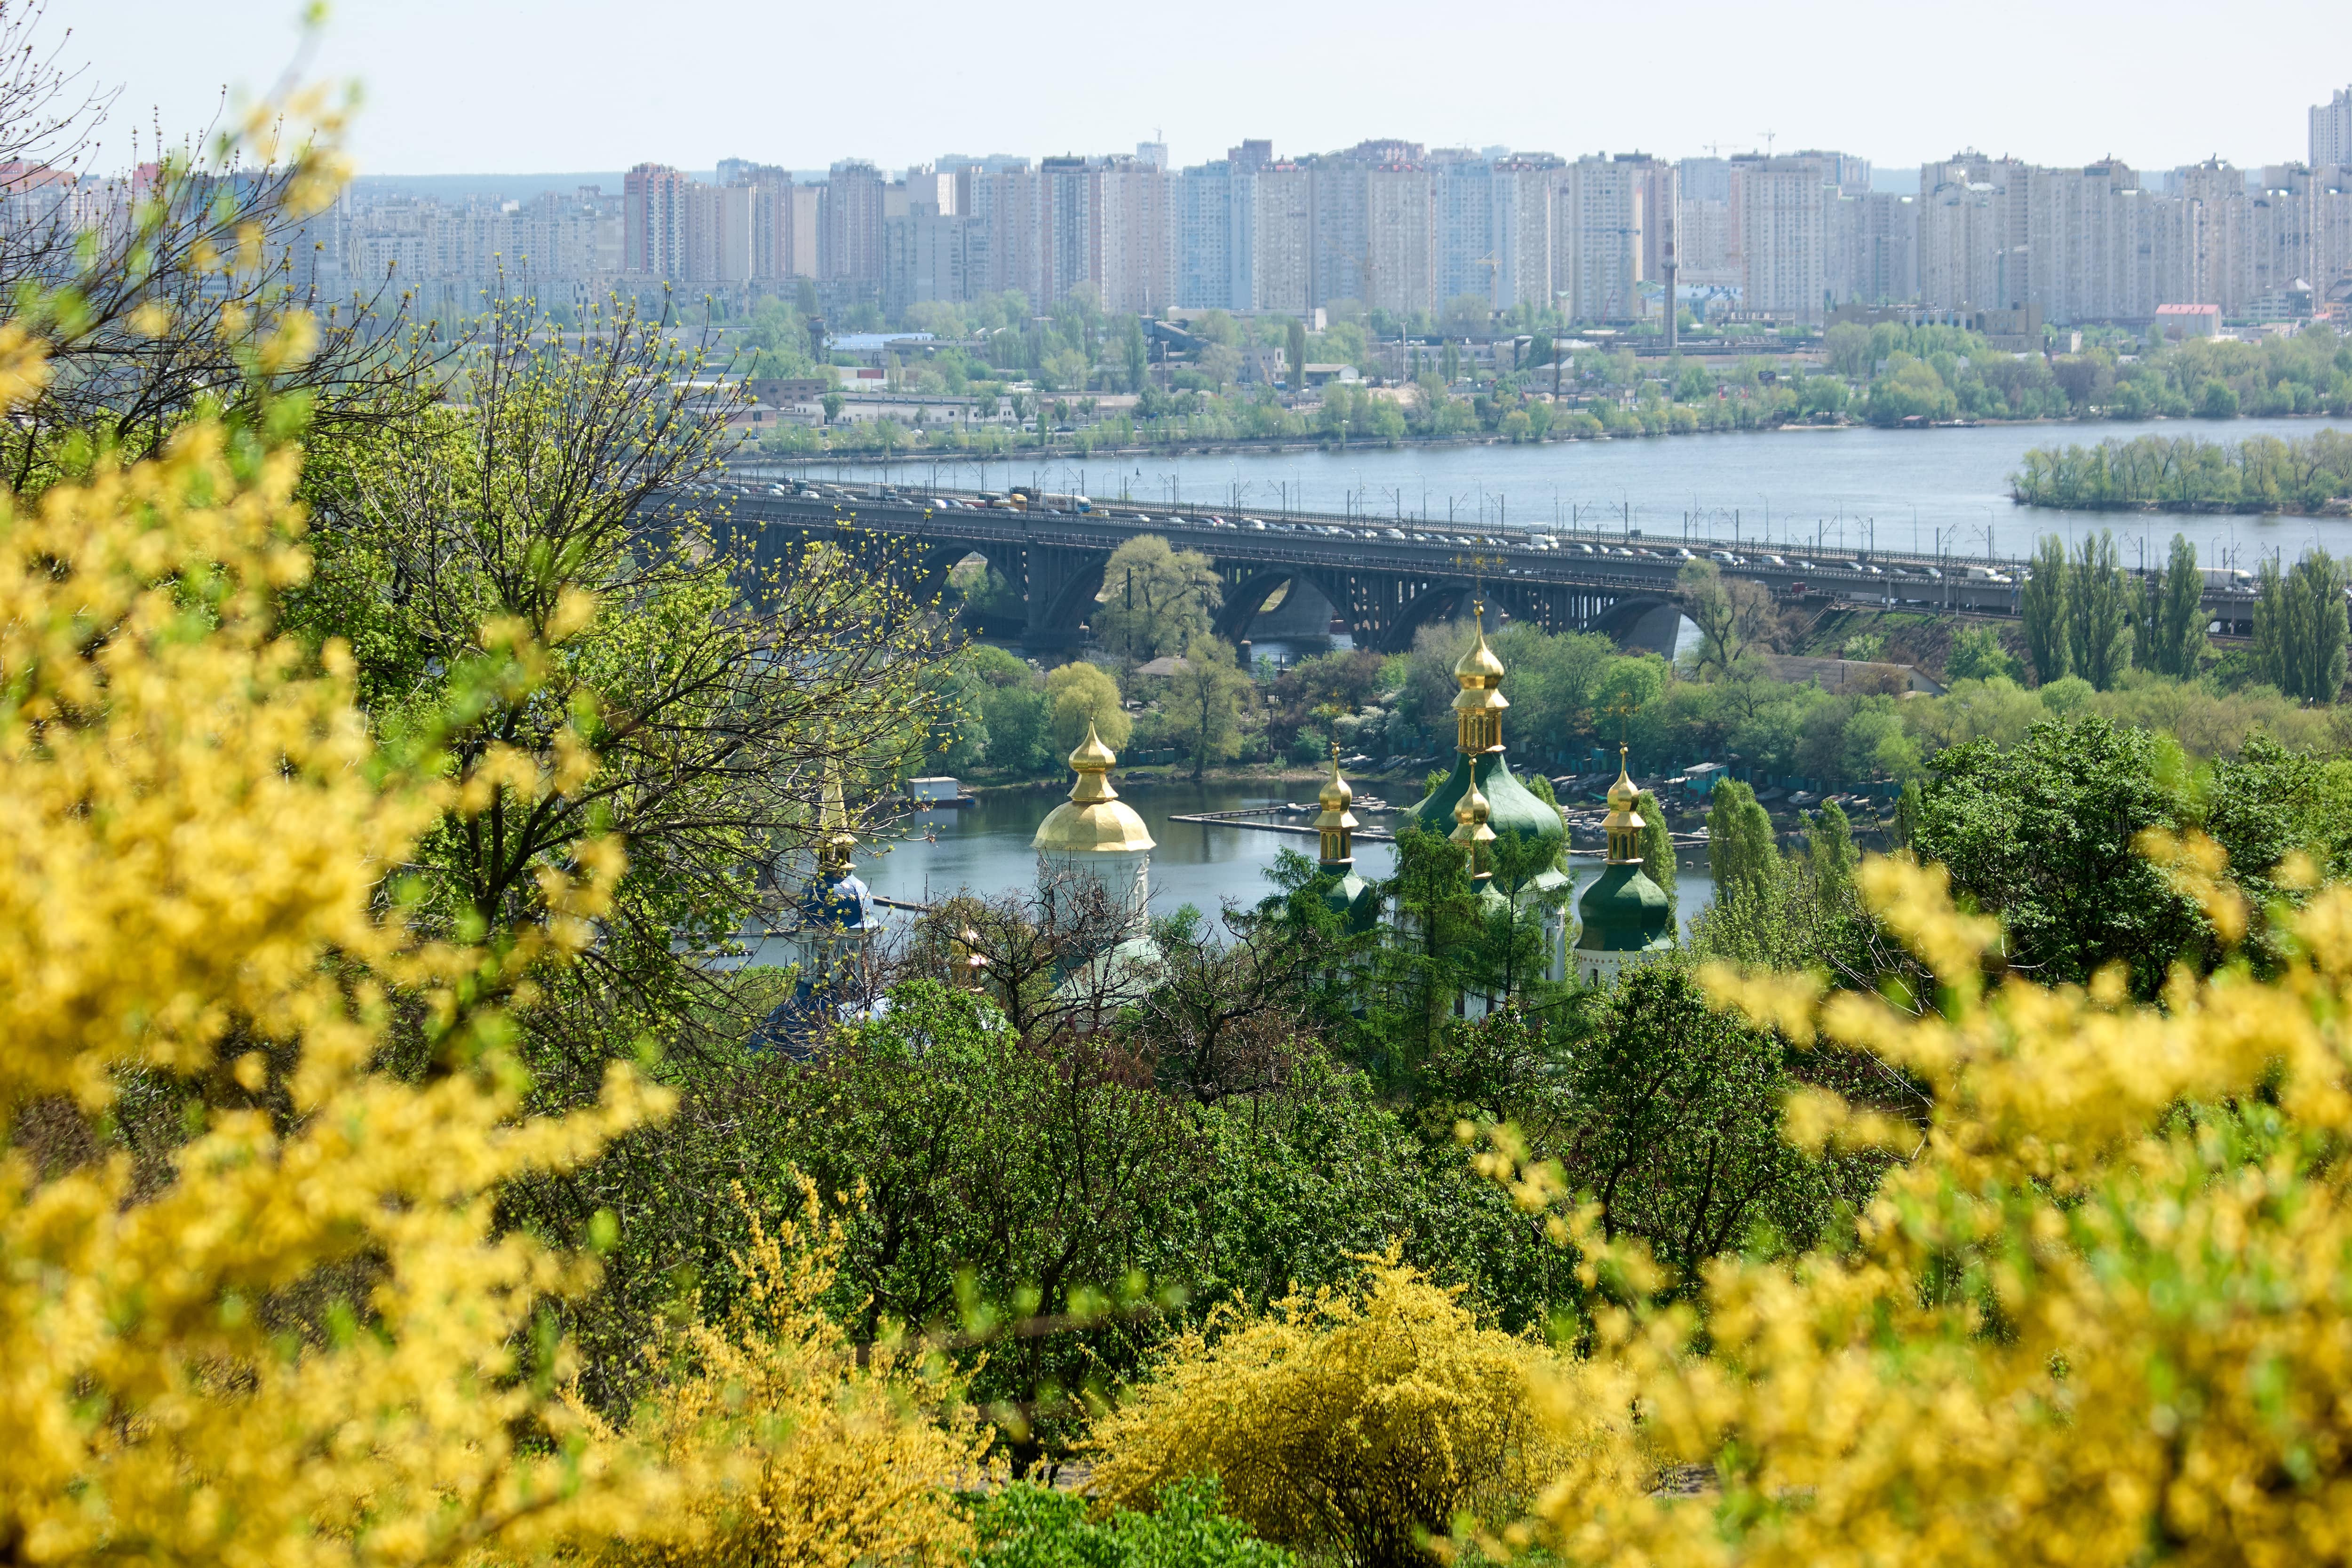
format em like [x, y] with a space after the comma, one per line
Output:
[798, 1450]
[195, 819]
[289, 1339]
[2102, 1316]
[1366, 1419]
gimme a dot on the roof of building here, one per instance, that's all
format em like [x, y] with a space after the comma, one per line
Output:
[1094, 820]
[1624, 911]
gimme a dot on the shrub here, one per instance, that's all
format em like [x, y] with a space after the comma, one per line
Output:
[796, 1449]
[1365, 1418]
[286, 1332]
[1030, 1526]
[2099, 1319]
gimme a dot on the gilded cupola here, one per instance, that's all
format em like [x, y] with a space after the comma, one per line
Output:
[1478, 707]
[1094, 820]
[1336, 825]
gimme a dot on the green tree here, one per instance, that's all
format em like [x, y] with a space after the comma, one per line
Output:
[2041, 604]
[1910, 390]
[1295, 346]
[1082, 694]
[1734, 614]
[2299, 626]
[1157, 600]
[716, 701]
[1133, 351]
[2043, 834]
[2176, 619]
[1020, 720]
[1977, 655]
[1205, 701]
[1657, 843]
[2098, 629]
[1741, 854]
[1677, 1134]
[1830, 851]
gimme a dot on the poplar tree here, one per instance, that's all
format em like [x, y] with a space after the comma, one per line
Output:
[1740, 852]
[2098, 630]
[2176, 617]
[1657, 843]
[1831, 850]
[2043, 605]
[2299, 628]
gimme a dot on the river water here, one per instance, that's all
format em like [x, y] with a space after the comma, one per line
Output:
[1904, 490]
[985, 849]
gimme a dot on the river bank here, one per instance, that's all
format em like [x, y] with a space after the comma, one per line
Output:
[1276, 446]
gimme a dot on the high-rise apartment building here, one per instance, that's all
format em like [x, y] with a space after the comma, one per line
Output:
[1782, 207]
[653, 220]
[2331, 132]
[1463, 197]
[1137, 270]
[1281, 252]
[1875, 239]
[1003, 203]
[1973, 232]
[2083, 253]
[1401, 238]
[1205, 237]
[1598, 231]
[849, 224]
[1526, 189]
[783, 220]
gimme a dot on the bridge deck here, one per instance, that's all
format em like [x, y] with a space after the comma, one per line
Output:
[1601, 566]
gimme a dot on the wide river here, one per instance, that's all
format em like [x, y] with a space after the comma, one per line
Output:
[985, 849]
[1843, 488]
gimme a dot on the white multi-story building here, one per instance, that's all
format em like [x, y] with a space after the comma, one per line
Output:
[1973, 232]
[2331, 132]
[1875, 247]
[1464, 207]
[1400, 233]
[2083, 242]
[1526, 187]
[1597, 223]
[1204, 238]
[1140, 221]
[1782, 206]
[1281, 250]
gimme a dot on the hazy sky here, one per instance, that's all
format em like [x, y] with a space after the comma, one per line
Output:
[465, 86]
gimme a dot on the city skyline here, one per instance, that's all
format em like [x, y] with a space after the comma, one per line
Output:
[522, 87]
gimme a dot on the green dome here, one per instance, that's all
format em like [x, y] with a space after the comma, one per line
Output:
[1513, 811]
[1624, 911]
[1351, 898]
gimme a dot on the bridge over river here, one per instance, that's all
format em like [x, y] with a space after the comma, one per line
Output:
[1383, 579]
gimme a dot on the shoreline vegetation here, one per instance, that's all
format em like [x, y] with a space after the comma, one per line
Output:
[2189, 473]
[1080, 382]
[1280, 444]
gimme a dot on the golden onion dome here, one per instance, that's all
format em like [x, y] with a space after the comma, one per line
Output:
[1622, 794]
[1470, 817]
[1336, 795]
[1479, 667]
[1094, 820]
[1092, 755]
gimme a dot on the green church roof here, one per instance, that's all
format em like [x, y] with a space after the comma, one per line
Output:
[1512, 809]
[1353, 900]
[1624, 911]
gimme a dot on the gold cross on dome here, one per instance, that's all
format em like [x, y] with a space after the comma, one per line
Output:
[1478, 565]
